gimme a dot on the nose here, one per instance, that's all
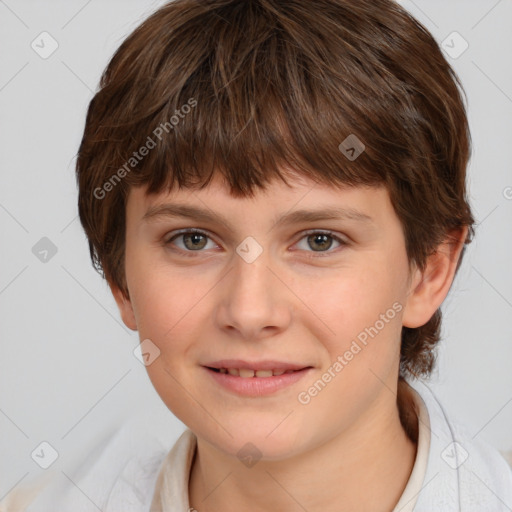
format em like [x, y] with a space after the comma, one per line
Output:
[254, 302]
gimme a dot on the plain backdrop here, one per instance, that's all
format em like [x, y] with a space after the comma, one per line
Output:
[68, 373]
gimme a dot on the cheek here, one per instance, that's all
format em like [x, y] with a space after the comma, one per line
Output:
[166, 308]
[361, 309]
[362, 347]
[161, 305]
[353, 297]
[170, 305]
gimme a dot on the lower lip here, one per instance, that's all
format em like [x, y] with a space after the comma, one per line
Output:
[257, 386]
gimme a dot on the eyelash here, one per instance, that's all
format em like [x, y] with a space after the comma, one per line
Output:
[316, 254]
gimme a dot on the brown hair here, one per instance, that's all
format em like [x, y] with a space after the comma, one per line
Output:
[246, 88]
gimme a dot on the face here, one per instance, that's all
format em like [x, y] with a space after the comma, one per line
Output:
[261, 282]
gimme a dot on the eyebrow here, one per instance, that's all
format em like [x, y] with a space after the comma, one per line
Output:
[296, 217]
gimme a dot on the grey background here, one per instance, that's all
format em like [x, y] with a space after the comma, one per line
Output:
[68, 374]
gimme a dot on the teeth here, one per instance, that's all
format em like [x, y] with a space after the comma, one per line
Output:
[263, 373]
[246, 373]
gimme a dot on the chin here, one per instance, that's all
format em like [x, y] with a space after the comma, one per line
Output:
[262, 442]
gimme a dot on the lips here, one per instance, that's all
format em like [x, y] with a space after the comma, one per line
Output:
[257, 381]
[266, 368]
[247, 373]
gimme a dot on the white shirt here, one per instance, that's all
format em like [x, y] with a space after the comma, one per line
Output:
[452, 473]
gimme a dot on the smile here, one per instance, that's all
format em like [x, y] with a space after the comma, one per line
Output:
[247, 373]
[255, 383]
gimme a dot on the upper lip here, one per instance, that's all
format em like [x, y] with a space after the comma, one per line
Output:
[256, 365]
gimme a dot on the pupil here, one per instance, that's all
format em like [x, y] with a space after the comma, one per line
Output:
[196, 240]
[322, 238]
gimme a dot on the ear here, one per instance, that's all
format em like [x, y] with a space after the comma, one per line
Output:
[429, 288]
[125, 307]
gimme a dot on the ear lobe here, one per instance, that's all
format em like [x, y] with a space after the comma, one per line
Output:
[125, 307]
[429, 288]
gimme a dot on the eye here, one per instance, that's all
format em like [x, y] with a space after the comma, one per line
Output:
[320, 241]
[193, 240]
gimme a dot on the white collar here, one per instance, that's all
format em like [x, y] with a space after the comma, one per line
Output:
[171, 489]
[452, 472]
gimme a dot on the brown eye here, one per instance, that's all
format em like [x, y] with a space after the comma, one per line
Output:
[189, 241]
[194, 241]
[320, 242]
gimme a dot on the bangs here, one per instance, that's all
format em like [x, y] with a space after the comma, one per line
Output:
[250, 97]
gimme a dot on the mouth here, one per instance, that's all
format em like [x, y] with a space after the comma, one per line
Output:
[247, 369]
[260, 379]
[247, 373]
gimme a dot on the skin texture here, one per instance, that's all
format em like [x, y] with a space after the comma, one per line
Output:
[346, 449]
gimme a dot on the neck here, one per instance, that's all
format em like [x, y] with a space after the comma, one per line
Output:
[365, 467]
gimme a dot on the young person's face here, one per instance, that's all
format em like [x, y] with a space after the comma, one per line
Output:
[311, 301]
